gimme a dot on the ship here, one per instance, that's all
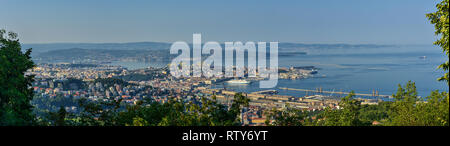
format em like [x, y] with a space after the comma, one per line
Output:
[238, 82]
[313, 71]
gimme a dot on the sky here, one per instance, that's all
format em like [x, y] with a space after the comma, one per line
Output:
[297, 21]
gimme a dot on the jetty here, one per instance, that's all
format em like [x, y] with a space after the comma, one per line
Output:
[320, 90]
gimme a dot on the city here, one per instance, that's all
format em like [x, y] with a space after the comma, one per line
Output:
[105, 82]
[224, 72]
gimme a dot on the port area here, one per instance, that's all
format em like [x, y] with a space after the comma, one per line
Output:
[299, 72]
[316, 100]
[293, 73]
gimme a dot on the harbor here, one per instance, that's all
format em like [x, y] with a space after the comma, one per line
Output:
[320, 90]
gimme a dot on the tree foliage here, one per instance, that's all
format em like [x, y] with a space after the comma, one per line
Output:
[286, 117]
[410, 110]
[440, 19]
[15, 94]
[149, 113]
[347, 115]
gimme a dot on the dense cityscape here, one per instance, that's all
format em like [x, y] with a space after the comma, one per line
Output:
[104, 82]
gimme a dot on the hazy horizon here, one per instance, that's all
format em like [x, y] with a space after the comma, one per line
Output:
[305, 43]
[307, 22]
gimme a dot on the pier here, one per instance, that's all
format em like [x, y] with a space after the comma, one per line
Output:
[319, 90]
[266, 92]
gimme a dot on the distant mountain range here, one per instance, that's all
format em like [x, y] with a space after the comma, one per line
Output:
[147, 51]
[39, 48]
[102, 55]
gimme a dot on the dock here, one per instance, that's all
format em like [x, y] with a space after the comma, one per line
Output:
[374, 94]
[266, 92]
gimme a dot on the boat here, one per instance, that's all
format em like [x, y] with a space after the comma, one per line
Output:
[238, 82]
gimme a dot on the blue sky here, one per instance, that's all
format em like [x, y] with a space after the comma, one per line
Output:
[308, 21]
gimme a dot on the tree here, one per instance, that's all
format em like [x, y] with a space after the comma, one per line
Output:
[57, 118]
[379, 112]
[440, 19]
[348, 115]
[403, 110]
[240, 101]
[410, 110]
[138, 121]
[434, 112]
[15, 91]
[286, 117]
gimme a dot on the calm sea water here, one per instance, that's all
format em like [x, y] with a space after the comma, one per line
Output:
[361, 70]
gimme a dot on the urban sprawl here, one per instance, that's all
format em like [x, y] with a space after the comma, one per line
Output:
[105, 82]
